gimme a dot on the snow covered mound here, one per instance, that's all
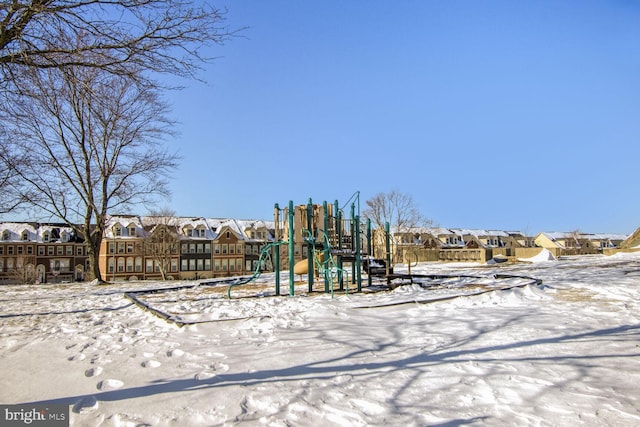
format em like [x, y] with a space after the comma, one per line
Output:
[544, 255]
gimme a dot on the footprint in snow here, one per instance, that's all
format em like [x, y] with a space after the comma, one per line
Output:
[150, 364]
[93, 372]
[85, 405]
[110, 384]
[176, 352]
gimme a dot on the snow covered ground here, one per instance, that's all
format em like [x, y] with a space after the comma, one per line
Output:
[566, 352]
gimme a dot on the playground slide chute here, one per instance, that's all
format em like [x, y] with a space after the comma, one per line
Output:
[302, 266]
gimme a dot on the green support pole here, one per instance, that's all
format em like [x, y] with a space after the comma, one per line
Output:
[337, 216]
[387, 237]
[353, 240]
[276, 249]
[338, 233]
[326, 247]
[291, 249]
[369, 247]
[358, 259]
[310, 246]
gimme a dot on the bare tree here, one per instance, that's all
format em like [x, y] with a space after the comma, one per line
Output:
[399, 210]
[94, 145]
[118, 36]
[24, 271]
[162, 241]
[396, 208]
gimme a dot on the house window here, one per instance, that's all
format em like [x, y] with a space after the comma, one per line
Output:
[200, 264]
[120, 248]
[129, 265]
[232, 248]
[50, 250]
[60, 250]
[69, 250]
[207, 248]
[120, 265]
[79, 251]
[5, 235]
[9, 250]
[110, 265]
[138, 265]
[192, 248]
[216, 265]
[174, 265]
[25, 236]
[184, 248]
[149, 267]
[224, 248]
[207, 264]
[184, 265]
[132, 231]
[40, 250]
[228, 235]
[29, 250]
[192, 264]
[216, 248]
[45, 236]
[200, 248]
[129, 248]
[232, 264]
[117, 230]
[20, 250]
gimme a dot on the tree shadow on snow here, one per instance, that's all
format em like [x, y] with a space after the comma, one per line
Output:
[347, 364]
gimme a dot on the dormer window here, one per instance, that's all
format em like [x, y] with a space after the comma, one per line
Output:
[64, 236]
[46, 236]
[117, 230]
[132, 230]
[25, 236]
[5, 235]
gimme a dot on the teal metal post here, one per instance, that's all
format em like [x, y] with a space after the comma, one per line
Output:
[338, 233]
[325, 261]
[276, 249]
[369, 247]
[358, 259]
[387, 237]
[354, 237]
[291, 248]
[310, 246]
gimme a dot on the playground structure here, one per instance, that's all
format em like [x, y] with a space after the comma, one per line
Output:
[320, 240]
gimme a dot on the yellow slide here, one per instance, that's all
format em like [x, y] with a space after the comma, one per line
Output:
[302, 266]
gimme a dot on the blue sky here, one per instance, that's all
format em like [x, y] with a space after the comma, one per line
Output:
[490, 114]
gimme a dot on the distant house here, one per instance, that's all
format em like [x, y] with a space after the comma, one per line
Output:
[632, 242]
[41, 253]
[455, 244]
[577, 243]
[196, 238]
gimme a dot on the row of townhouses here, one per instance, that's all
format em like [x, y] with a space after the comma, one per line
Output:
[133, 248]
[476, 245]
[155, 248]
